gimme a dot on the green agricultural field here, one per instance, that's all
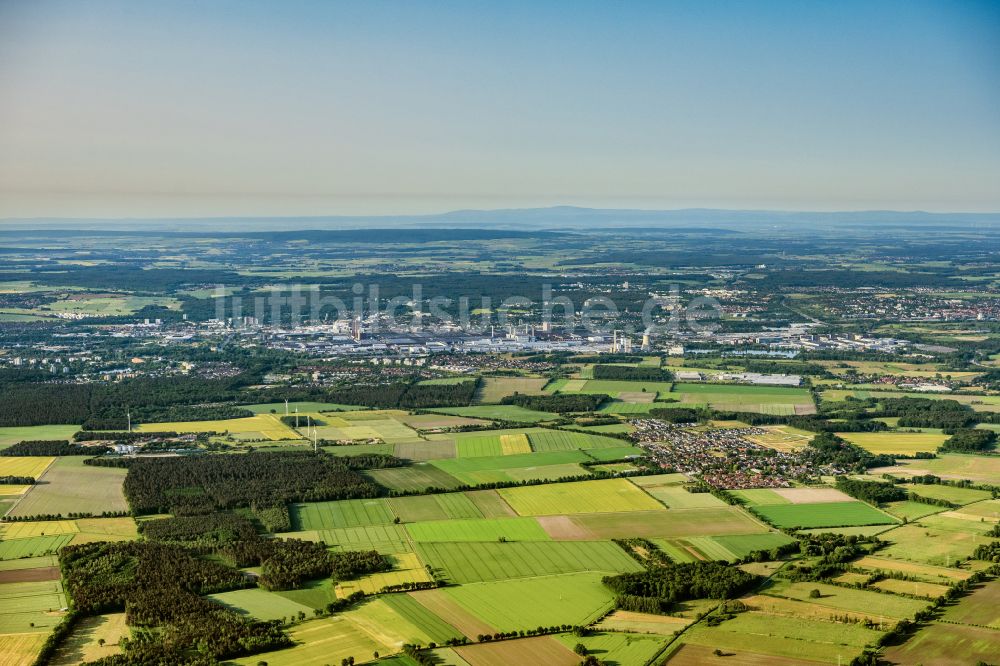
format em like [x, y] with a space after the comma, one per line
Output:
[896, 443]
[935, 540]
[359, 449]
[303, 407]
[344, 513]
[260, 604]
[481, 529]
[422, 450]
[676, 497]
[314, 593]
[30, 606]
[760, 497]
[511, 413]
[445, 381]
[653, 480]
[740, 397]
[491, 561]
[477, 471]
[380, 618]
[490, 503]
[387, 539]
[320, 642]
[617, 468]
[416, 477]
[949, 493]
[672, 523]
[604, 496]
[488, 443]
[615, 387]
[734, 547]
[416, 614]
[69, 486]
[616, 453]
[526, 603]
[889, 606]
[561, 440]
[783, 637]
[611, 428]
[982, 469]
[829, 514]
[33, 547]
[617, 647]
[937, 644]
[13, 435]
[447, 506]
[630, 408]
[261, 426]
[911, 510]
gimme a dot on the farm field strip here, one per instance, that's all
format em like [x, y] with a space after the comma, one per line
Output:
[825, 514]
[33, 547]
[525, 603]
[416, 477]
[538, 650]
[481, 529]
[417, 508]
[827, 642]
[342, 513]
[561, 440]
[609, 495]
[407, 568]
[486, 561]
[889, 606]
[666, 523]
[69, 486]
[896, 443]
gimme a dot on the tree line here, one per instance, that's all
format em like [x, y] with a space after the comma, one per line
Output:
[873, 492]
[53, 447]
[640, 373]
[658, 588]
[559, 403]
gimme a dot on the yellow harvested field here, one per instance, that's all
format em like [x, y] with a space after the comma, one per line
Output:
[20, 649]
[261, 426]
[780, 438]
[796, 608]
[320, 642]
[511, 444]
[642, 623]
[916, 588]
[811, 495]
[27, 466]
[11, 491]
[912, 568]
[37, 528]
[83, 644]
[898, 443]
[105, 529]
[407, 569]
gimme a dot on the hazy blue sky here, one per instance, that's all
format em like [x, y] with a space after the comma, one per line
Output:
[203, 108]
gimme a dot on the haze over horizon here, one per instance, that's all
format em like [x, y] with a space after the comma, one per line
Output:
[182, 109]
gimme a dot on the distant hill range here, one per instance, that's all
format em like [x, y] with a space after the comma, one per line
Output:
[484, 223]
